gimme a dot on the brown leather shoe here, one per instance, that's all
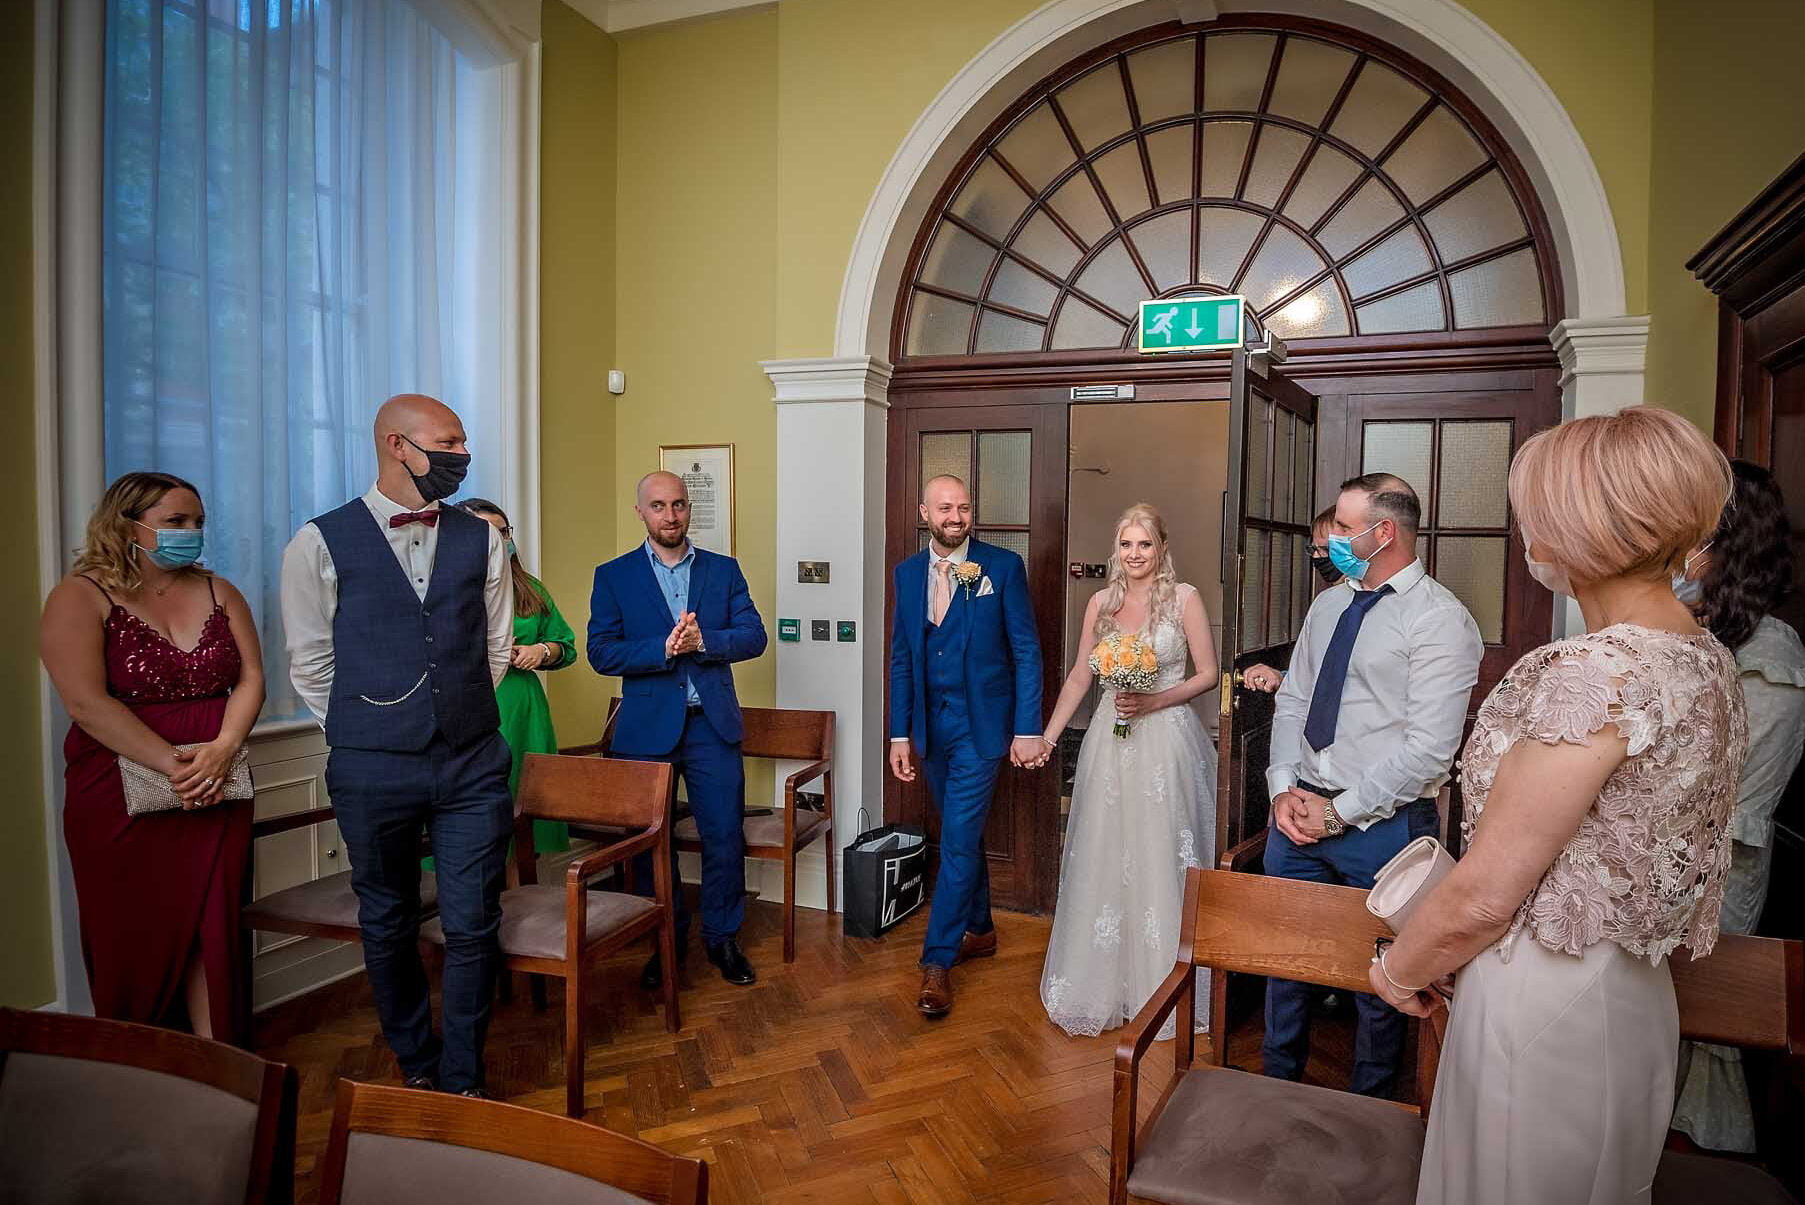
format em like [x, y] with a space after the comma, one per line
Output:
[936, 998]
[977, 945]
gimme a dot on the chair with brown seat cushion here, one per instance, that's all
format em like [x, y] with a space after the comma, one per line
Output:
[325, 907]
[563, 931]
[94, 1110]
[390, 1146]
[1220, 1135]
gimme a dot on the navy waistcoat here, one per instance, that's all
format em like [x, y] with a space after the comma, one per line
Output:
[405, 670]
[944, 651]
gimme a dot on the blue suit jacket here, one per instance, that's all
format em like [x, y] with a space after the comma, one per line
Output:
[1002, 665]
[628, 623]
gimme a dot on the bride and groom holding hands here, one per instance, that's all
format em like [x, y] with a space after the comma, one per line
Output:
[965, 692]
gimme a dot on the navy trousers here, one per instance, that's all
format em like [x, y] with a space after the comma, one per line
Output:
[714, 782]
[961, 782]
[1350, 860]
[460, 797]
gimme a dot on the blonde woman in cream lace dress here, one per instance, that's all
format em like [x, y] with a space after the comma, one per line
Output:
[1598, 780]
[1143, 805]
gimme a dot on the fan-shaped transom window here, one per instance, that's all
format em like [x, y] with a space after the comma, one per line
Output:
[1335, 188]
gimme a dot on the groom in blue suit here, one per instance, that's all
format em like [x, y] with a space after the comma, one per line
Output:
[669, 620]
[965, 676]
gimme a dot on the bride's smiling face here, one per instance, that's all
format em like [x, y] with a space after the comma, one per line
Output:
[1138, 552]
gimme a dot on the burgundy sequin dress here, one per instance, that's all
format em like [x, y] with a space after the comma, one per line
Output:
[154, 889]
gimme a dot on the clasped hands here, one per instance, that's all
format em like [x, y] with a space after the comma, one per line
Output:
[686, 637]
[198, 775]
[1025, 753]
[1298, 814]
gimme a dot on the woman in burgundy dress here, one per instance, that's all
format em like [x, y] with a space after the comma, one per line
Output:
[149, 651]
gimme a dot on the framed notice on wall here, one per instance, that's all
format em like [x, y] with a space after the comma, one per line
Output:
[707, 472]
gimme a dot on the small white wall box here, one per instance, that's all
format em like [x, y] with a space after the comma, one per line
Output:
[617, 381]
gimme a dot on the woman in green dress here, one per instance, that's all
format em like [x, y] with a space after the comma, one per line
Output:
[542, 640]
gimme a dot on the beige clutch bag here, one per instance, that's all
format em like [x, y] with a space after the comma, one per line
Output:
[148, 790]
[1407, 880]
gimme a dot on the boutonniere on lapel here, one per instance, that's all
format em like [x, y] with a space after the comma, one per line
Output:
[968, 574]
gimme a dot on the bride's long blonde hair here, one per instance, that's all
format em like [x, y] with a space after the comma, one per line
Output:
[1164, 600]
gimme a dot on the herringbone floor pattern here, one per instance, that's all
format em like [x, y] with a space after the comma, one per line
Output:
[819, 1083]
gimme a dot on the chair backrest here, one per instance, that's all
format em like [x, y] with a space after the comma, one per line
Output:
[94, 1110]
[593, 790]
[392, 1146]
[1745, 993]
[788, 734]
[1310, 932]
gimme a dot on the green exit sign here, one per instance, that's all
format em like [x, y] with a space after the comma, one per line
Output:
[1192, 324]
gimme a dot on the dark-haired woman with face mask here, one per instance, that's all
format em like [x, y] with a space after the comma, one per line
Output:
[1734, 584]
[158, 663]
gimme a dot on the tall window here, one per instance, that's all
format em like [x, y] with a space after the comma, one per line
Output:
[310, 205]
[1341, 189]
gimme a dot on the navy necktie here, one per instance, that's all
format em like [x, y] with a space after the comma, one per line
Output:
[1325, 702]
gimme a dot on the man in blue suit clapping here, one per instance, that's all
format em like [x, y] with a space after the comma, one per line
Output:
[965, 675]
[669, 620]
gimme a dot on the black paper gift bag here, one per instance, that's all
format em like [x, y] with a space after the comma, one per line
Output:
[886, 873]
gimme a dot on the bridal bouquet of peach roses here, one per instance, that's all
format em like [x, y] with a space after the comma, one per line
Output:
[1125, 662]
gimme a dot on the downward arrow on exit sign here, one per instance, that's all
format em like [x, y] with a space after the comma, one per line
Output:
[1192, 324]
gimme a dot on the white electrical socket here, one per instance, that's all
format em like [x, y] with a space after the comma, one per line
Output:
[617, 381]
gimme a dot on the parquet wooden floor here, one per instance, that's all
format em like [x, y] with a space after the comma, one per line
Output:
[819, 1083]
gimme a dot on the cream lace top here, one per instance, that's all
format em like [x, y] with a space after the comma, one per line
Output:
[1646, 867]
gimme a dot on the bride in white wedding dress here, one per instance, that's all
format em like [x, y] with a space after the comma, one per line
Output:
[1143, 805]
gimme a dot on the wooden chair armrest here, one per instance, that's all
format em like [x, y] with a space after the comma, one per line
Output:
[592, 749]
[806, 774]
[1240, 857]
[600, 859]
[269, 826]
[1129, 1053]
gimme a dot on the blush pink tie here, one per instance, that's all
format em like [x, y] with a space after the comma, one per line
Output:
[942, 597]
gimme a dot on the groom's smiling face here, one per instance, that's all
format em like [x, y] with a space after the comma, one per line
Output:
[946, 509]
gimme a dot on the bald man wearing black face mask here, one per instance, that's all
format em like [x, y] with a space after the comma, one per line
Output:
[400, 621]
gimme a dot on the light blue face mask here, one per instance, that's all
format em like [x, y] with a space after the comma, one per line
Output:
[1341, 552]
[177, 547]
[1690, 592]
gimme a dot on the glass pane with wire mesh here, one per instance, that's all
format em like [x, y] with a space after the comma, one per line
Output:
[1259, 457]
[1475, 463]
[1004, 461]
[945, 454]
[1253, 592]
[1472, 568]
[1403, 449]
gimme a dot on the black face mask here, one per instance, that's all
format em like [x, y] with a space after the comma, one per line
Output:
[444, 473]
[1325, 569]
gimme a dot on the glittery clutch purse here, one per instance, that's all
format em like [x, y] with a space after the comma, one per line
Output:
[148, 790]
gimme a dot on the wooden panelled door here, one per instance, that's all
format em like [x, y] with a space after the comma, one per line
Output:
[1271, 499]
[1014, 459]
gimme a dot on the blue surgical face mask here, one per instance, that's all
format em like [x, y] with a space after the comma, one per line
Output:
[512, 551]
[1341, 553]
[1688, 591]
[177, 547]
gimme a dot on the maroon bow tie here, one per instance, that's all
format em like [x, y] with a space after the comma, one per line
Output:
[428, 517]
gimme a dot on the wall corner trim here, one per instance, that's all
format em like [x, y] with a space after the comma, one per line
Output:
[830, 379]
[1600, 346]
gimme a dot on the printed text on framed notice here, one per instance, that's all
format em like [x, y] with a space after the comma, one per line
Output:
[707, 472]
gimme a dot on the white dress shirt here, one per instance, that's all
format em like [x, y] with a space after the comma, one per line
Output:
[1403, 707]
[310, 595]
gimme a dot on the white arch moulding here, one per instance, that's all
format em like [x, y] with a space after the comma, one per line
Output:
[1601, 348]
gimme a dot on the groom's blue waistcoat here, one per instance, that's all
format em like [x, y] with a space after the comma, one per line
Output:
[986, 650]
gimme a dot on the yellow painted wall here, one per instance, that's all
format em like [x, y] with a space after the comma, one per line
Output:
[1728, 119]
[578, 128]
[697, 274]
[26, 977]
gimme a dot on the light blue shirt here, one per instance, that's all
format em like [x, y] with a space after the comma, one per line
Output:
[673, 583]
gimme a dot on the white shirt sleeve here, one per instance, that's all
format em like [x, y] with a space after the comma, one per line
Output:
[1290, 708]
[309, 602]
[498, 599]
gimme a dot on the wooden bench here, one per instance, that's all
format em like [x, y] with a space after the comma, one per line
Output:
[1221, 1135]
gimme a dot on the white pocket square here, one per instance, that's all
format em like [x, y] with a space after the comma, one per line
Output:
[984, 587]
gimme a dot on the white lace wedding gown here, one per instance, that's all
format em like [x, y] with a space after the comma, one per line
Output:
[1143, 812]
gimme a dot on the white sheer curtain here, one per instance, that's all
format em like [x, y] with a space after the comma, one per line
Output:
[309, 205]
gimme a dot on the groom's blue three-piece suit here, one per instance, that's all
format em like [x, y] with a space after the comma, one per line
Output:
[960, 692]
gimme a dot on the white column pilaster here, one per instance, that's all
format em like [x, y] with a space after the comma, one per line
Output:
[1602, 363]
[831, 423]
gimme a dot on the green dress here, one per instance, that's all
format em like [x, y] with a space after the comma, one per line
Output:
[526, 716]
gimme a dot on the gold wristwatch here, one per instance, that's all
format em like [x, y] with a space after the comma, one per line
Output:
[1332, 823]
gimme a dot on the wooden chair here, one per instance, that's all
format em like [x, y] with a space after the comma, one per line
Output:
[548, 930]
[326, 907]
[1237, 1132]
[94, 1110]
[780, 734]
[391, 1146]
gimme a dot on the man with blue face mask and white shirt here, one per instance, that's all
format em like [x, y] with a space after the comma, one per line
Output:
[1364, 732]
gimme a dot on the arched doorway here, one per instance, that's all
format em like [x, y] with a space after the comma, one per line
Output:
[1371, 216]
